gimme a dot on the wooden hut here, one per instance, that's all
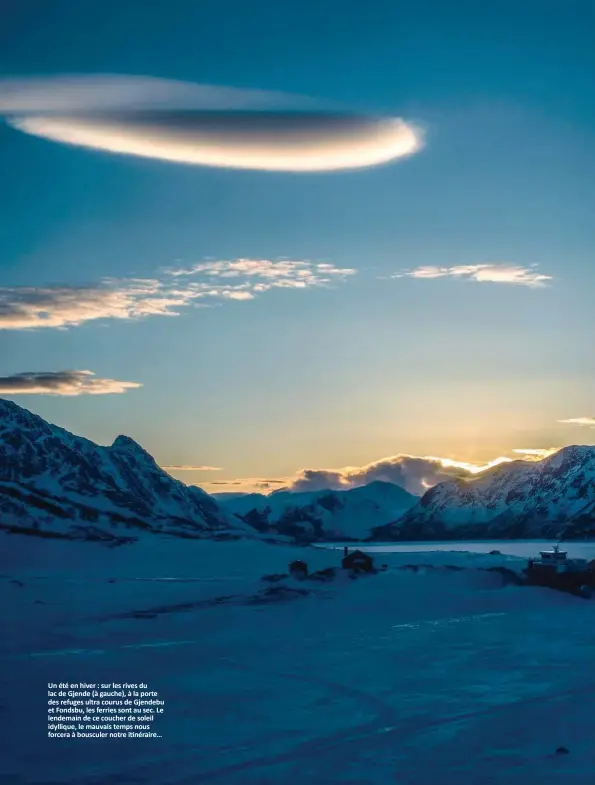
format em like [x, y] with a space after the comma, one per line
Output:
[358, 561]
[298, 569]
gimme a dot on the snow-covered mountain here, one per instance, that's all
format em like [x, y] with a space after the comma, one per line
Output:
[551, 497]
[319, 515]
[54, 482]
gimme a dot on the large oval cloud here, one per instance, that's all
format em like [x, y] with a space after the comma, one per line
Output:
[204, 125]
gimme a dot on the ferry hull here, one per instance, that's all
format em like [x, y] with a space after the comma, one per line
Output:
[579, 582]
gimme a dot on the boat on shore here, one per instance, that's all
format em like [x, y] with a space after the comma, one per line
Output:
[553, 568]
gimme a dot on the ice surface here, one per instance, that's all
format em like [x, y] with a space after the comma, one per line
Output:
[436, 676]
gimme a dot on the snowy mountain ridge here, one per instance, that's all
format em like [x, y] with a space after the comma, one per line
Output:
[551, 497]
[58, 484]
[51, 480]
[318, 515]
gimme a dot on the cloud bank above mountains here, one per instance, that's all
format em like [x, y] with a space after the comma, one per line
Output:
[203, 125]
[414, 473]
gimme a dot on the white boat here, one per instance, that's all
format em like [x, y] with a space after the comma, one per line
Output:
[558, 561]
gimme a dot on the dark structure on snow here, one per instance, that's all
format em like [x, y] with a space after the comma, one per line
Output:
[554, 569]
[358, 561]
[298, 569]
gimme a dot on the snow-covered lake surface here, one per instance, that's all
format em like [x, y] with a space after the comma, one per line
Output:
[522, 548]
[434, 676]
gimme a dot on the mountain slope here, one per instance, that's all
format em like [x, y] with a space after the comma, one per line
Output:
[51, 480]
[318, 515]
[551, 497]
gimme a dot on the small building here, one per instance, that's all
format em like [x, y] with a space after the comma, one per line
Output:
[358, 561]
[298, 569]
[554, 569]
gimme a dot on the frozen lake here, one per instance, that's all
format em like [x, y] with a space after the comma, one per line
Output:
[432, 677]
[521, 548]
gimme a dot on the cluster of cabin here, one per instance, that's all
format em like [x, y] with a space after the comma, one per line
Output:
[356, 562]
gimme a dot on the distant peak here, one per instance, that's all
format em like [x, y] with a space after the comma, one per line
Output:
[382, 484]
[11, 406]
[13, 411]
[570, 453]
[123, 442]
[577, 449]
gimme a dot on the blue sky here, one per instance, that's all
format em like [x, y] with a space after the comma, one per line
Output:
[372, 366]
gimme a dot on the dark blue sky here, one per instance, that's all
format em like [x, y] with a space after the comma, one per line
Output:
[380, 53]
[440, 365]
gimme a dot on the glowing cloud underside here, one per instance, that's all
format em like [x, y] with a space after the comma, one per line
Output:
[273, 141]
[414, 473]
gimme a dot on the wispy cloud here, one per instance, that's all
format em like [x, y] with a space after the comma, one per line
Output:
[115, 92]
[25, 307]
[260, 275]
[585, 421]
[29, 307]
[189, 468]
[482, 273]
[62, 383]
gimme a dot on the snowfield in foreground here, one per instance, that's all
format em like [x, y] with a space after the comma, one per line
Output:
[435, 676]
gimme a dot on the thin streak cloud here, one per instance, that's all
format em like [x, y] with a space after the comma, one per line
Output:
[536, 452]
[69, 383]
[284, 273]
[204, 125]
[482, 273]
[248, 484]
[114, 92]
[588, 422]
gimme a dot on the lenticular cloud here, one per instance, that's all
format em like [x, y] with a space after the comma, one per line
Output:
[203, 124]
